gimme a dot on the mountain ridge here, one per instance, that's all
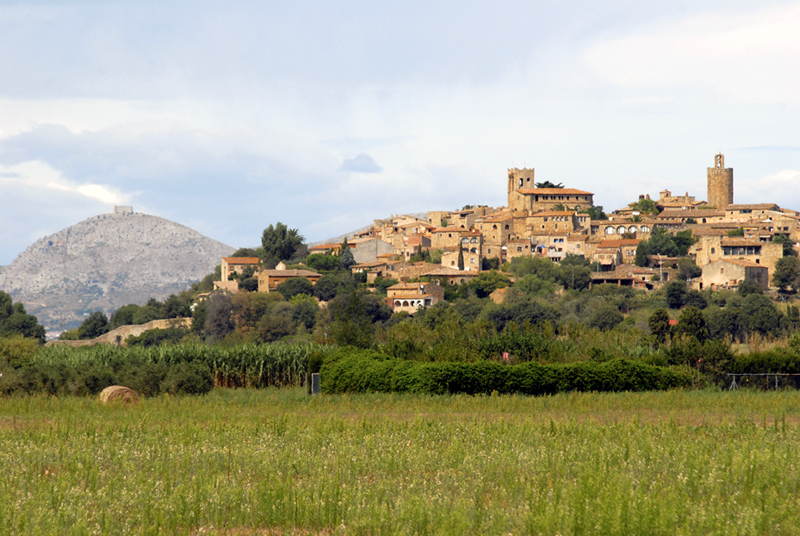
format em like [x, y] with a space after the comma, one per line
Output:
[107, 261]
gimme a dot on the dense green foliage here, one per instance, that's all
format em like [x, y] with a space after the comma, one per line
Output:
[360, 372]
[15, 321]
[151, 370]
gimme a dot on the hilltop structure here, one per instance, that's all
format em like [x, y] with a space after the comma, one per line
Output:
[720, 184]
[551, 221]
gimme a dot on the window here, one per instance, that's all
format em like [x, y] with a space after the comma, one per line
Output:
[519, 249]
[472, 260]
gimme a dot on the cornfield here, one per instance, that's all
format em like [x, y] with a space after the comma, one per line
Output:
[246, 365]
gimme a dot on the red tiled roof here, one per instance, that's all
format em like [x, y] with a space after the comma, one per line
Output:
[241, 260]
[553, 191]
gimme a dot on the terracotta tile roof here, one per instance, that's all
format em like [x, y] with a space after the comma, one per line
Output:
[739, 241]
[241, 260]
[619, 243]
[290, 273]
[755, 206]
[739, 262]
[553, 191]
[553, 213]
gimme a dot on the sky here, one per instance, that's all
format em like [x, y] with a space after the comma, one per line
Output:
[230, 116]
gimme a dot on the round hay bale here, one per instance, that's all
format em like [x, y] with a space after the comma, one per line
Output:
[119, 394]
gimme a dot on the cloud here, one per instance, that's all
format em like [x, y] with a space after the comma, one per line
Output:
[362, 163]
[743, 57]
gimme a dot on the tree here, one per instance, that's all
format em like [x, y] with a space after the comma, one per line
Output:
[747, 287]
[277, 324]
[595, 212]
[693, 324]
[322, 263]
[280, 242]
[787, 243]
[219, 316]
[94, 326]
[295, 286]
[488, 282]
[14, 320]
[759, 314]
[304, 311]
[489, 263]
[687, 269]
[575, 272]
[20, 323]
[739, 231]
[787, 273]
[346, 259]
[695, 299]
[661, 243]
[683, 240]
[645, 206]
[659, 325]
[675, 294]
[606, 317]
[641, 254]
[460, 258]
[123, 316]
[330, 285]
[722, 322]
[351, 323]
[548, 184]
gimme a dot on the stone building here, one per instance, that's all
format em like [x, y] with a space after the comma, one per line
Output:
[231, 265]
[523, 194]
[720, 184]
[268, 280]
[713, 248]
[728, 273]
[472, 261]
[409, 297]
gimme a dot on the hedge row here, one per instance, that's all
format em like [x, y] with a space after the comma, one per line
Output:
[146, 378]
[362, 372]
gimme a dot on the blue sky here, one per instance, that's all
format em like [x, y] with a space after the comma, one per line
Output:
[227, 117]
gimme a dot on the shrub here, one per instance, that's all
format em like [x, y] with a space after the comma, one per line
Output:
[360, 373]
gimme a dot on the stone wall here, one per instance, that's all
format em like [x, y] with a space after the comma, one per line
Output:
[123, 332]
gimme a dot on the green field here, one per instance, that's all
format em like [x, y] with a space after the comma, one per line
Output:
[280, 462]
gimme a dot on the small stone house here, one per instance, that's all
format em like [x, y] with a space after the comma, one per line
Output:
[231, 265]
[409, 297]
[268, 280]
[728, 273]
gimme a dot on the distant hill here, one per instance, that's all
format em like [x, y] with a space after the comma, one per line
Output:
[105, 262]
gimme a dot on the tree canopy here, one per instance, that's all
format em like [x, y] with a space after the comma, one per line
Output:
[280, 242]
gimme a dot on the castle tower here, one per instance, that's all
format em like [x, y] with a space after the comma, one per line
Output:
[519, 179]
[720, 184]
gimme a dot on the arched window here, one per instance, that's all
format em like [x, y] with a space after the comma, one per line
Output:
[610, 230]
[621, 229]
[632, 229]
[645, 229]
[506, 226]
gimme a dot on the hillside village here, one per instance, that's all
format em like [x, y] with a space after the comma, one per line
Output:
[732, 242]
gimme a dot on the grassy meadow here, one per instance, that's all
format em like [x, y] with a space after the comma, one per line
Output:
[276, 461]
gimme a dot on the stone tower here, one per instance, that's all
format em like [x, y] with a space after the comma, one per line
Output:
[518, 179]
[720, 184]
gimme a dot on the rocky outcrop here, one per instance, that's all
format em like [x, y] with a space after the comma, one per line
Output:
[105, 262]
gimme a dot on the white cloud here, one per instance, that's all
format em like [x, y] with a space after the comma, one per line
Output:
[745, 57]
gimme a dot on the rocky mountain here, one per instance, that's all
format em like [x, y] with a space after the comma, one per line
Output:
[105, 262]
